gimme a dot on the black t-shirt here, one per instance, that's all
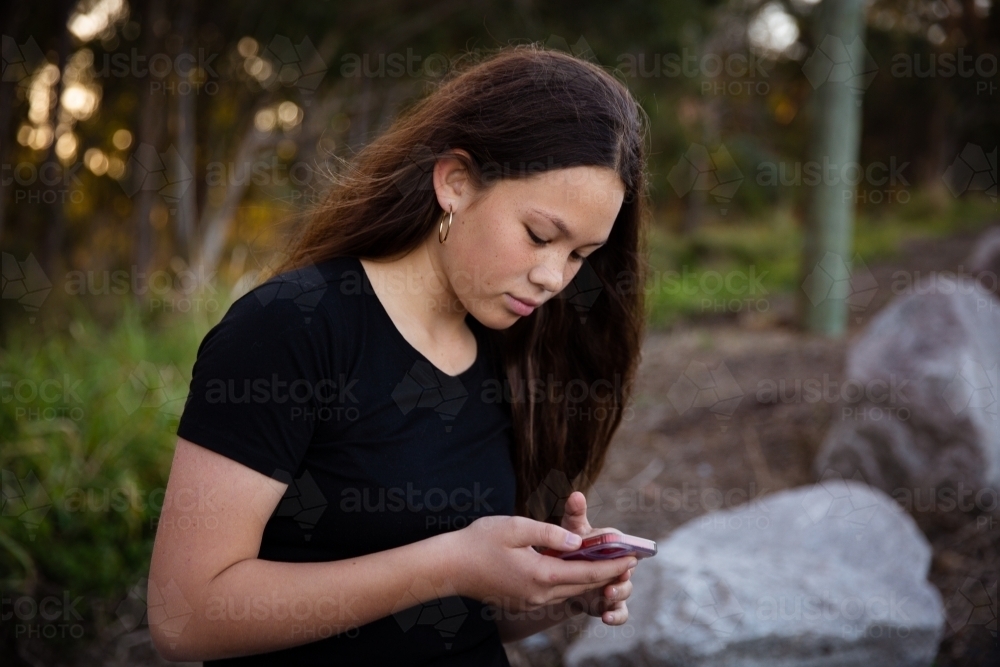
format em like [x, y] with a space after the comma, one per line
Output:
[306, 379]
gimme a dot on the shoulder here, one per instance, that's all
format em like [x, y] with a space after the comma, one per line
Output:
[323, 286]
[314, 302]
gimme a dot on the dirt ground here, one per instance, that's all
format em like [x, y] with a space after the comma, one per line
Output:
[661, 454]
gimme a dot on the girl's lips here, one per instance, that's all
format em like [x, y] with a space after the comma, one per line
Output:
[519, 307]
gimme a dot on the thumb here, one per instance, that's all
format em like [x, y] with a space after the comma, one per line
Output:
[562, 539]
[547, 535]
[575, 514]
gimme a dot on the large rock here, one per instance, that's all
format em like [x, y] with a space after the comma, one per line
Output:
[832, 574]
[920, 415]
[984, 262]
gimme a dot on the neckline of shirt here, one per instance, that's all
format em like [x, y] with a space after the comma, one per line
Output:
[397, 334]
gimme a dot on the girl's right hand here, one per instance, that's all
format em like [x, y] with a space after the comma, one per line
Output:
[499, 566]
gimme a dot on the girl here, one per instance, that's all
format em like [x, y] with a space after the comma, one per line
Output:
[378, 434]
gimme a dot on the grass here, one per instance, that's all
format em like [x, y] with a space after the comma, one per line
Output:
[695, 273]
[88, 423]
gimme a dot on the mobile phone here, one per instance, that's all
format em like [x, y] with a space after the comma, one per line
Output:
[607, 546]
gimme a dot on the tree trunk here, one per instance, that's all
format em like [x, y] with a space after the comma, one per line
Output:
[150, 126]
[187, 205]
[13, 16]
[52, 245]
[835, 140]
[217, 221]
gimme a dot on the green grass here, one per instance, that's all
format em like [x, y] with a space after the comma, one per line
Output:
[88, 421]
[685, 270]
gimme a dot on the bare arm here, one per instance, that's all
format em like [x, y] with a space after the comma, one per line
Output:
[219, 600]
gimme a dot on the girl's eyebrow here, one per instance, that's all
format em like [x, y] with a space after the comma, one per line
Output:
[561, 225]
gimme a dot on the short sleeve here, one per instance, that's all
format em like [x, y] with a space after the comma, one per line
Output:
[258, 381]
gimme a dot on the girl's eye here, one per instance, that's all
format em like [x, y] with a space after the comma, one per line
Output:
[534, 238]
[574, 256]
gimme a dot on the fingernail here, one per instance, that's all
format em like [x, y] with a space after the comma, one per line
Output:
[633, 562]
[573, 541]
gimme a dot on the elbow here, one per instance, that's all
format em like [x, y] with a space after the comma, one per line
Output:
[172, 635]
[172, 615]
[171, 645]
[168, 647]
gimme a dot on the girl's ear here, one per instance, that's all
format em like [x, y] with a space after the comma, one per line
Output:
[451, 180]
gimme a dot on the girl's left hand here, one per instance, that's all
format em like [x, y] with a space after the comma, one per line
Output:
[608, 601]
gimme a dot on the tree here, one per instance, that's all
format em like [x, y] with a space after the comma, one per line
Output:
[839, 69]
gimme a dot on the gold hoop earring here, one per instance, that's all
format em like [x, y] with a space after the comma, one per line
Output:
[451, 214]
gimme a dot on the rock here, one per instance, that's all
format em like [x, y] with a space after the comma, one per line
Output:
[984, 263]
[918, 414]
[832, 574]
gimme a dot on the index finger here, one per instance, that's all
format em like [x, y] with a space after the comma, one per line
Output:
[585, 571]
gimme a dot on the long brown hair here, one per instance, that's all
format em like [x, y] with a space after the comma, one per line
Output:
[522, 110]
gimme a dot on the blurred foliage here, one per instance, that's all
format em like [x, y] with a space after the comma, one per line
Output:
[88, 421]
